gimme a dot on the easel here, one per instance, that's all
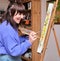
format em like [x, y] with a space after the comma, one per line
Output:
[43, 43]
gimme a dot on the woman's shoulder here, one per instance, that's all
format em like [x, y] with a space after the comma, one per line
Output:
[6, 29]
[4, 26]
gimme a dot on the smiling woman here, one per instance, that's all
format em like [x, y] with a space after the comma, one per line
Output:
[15, 14]
[12, 46]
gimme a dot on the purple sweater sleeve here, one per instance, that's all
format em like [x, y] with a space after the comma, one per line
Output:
[14, 48]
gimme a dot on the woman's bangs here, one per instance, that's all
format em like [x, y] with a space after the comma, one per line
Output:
[21, 11]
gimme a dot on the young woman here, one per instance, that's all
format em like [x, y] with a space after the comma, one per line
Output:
[11, 45]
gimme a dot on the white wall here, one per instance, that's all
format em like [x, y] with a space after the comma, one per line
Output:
[3, 4]
[43, 12]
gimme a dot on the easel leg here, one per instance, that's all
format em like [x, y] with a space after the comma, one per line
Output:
[56, 40]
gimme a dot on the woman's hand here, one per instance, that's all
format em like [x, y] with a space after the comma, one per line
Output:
[32, 36]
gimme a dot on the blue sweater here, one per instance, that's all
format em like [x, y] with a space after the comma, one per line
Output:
[10, 42]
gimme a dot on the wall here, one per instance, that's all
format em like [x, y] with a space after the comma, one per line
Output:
[3, 4]
[43, 12]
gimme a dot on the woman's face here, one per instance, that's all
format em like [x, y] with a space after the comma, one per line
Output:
[17, 17]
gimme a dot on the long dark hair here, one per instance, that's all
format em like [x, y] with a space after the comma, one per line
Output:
[8, 16]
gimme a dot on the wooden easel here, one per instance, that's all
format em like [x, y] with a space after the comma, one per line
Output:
[45, 41]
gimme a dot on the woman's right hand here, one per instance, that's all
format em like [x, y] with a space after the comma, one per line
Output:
[32, 36]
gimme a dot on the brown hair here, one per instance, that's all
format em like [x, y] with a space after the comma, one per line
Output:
[11, 11]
